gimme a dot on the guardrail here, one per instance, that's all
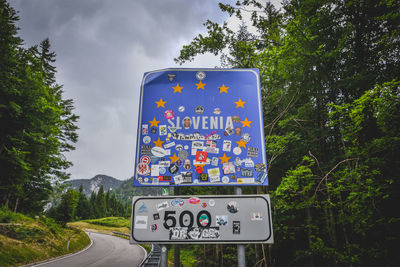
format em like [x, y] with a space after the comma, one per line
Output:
[154, 257]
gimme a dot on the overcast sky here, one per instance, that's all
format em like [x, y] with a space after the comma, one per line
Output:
[103, 48]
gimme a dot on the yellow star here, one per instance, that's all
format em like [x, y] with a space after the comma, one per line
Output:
[158, 142]
[246, 123]
[177, 88]
[200, 85]
[154, 122]
[174, 158]
[241, 143]
[239, 103]
[223, 88]
[224, 158]
[160, 103]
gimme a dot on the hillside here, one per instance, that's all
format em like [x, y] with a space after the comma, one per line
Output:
[126, 190]
[93, 184]
[26, 240]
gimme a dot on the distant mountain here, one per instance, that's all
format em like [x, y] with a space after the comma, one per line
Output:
[93, 184]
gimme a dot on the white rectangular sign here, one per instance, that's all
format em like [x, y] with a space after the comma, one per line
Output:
[202, 219]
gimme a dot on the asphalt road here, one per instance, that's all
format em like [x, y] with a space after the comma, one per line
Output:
[106, 250]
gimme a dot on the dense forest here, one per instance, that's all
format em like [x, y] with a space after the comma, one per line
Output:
[37, 124]
[74, 205]
[331, 97]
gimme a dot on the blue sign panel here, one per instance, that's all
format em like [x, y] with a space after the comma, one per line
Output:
[200, 127]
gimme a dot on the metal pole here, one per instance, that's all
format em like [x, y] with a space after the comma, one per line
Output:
[177, 249]
[240, 248]
[164, 250]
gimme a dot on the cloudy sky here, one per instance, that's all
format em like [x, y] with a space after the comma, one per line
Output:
[103, 48]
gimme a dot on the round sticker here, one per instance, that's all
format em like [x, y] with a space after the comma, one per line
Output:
[173, 169]
[195, 181]
[162, 170]
[200, 75]
[145, 159]
[237, 162]
[204, 205]
[146, 180]
[143, 169]
[233, 207]
[186, 147]
[140, 179]
[179, 147]
[225, 179]
[199, 110]
[187, 165]
[204, 220]
[169, 114]
[181, 109]
[183, 154]
[146, 139]
[217, 111]
[236, 119]
[179, 162]
[211, 202]
[246, 137]
[237, 151]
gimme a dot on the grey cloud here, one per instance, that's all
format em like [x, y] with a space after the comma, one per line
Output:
[103, 48]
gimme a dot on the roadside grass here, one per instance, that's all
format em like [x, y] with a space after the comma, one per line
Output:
[106, 225]
[26, 240]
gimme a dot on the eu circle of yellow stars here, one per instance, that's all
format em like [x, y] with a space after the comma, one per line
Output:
[200, 85]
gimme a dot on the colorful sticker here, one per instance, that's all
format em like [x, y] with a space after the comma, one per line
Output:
[153, 227]
[204, 219]
[201, 156]
[194, 200]
[233, 207]
[177, 202]
[169, 114]
[227, 145]
[162, 206]
[141, 222]
[221, 220]
[163, 130]
[237, 151]
[143, 208]
[252, 152]
[236, 227]
[145, 129]
[256, 216]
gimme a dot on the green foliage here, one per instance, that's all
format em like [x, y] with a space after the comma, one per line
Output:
[329, 72]
[111, 221]
[26, 240]
[37, 126]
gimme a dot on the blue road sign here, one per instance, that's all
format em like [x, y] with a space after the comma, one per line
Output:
[200, 127]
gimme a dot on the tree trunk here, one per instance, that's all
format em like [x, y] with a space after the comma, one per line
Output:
[16, 204]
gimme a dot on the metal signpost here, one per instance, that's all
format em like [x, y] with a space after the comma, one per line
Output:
[201, 127]
[202, 219]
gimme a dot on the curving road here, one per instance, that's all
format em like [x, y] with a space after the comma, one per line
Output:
[106, 250]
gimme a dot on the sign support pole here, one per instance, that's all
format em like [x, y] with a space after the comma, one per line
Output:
[240, 248]
[164, 250]
[177, 249]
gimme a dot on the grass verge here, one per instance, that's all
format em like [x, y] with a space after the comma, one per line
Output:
[106, 225]
[26, 240]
